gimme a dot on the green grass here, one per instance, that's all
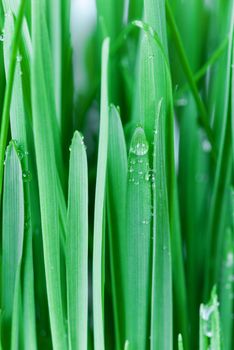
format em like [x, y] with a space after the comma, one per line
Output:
[117, 196]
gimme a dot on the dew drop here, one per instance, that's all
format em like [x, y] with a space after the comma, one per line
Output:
[206, 146]
[19, 58]
[230, 259]
[27, 176]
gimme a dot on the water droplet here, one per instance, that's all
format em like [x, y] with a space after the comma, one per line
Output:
[206, 311]
[27, 176]
[70, 149]
[18, 58]
[181, 102]
[131, 169]
[147, 176]
[230, 259]
[140, 149]
[206, 146]
[2, 37]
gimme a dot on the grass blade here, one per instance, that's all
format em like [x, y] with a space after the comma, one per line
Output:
[210, 324]
[43, 113]
[77, 245]
[16, 313]
[116, 198]
[13, 236]
[227, 289]
[9, 86]
[138, 243]
[99, 205]
[161, 309]
[180, 342]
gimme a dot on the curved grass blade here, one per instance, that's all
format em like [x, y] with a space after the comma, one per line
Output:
[99, 205]
[161, 308]
[43, 118]
[12, 236]
[116, 198]
[77, 246]
[137, 244]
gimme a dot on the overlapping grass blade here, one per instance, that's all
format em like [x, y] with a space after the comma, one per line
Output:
[116, 204]
[99, 205]
[222, 176]
[153, 62]
[161, 309]
[12, 236]
[137, 244]
[45, 141]
[8, 92]
[77, 246]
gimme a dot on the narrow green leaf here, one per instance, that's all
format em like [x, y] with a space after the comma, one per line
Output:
[13, 236]
[16, 313]
[210, 324]
[161, 309]
[137, 243]
[9, 86]
[77, 246]
[180, 342]
[99, 205]
[116, 204]
[43, 113]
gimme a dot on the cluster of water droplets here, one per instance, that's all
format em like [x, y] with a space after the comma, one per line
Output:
[82, 142]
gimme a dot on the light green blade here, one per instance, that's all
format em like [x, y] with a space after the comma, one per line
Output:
[77, 246]
[99, 205]
[137, 244]
[161, 308]
[210, 324]
[43, 118]
[180, 342]
[116, 204]
[12, 236]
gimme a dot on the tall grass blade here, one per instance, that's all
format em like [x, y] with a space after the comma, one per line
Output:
[116, 204]
[99, 205]
[77, 246]
[12, 237]
[161, 309]
[138, 244]
[43, 113]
